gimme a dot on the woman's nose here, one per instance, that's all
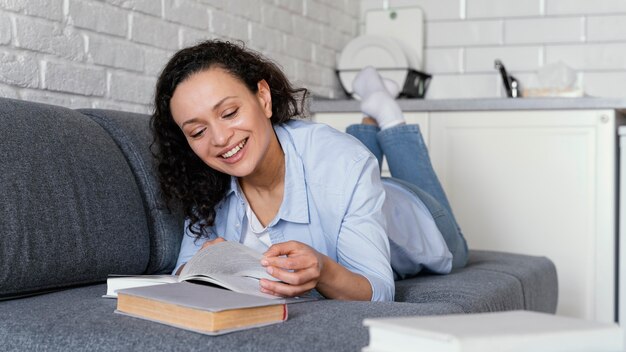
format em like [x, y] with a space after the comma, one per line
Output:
[220, 135]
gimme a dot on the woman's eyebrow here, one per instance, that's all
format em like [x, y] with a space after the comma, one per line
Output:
[222, 102]
[215, 107]
[195, 119]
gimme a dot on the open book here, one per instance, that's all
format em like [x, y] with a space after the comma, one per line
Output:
[230, 265]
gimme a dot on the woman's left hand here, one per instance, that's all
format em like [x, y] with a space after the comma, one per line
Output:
[297, 265]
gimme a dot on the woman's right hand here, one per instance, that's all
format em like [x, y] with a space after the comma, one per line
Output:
[210, 243]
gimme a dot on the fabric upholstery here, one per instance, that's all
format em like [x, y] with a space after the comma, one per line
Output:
[132, 134]
[492, 281]
[537, 276]
[80, 320]
[71, 210]
[77, 319]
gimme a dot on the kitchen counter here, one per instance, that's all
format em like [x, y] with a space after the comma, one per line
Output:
[415, 105]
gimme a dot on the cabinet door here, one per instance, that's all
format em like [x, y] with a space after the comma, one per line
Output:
[341, 121]
[539, 183]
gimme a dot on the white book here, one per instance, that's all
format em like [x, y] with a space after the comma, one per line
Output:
[512, 331]
[117, 282]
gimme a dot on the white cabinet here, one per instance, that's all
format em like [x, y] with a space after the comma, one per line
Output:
[537, 183]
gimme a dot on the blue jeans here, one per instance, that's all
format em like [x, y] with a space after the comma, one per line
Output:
[410, 166]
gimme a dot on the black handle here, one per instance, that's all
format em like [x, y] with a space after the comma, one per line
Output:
[505, 78]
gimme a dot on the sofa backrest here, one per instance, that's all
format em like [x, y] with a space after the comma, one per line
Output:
[72, 209]
[133, 136]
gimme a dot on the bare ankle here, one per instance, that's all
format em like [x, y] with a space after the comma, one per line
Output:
[369, 121]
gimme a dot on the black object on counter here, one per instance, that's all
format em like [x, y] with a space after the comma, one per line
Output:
[511, 84]
[415, 83]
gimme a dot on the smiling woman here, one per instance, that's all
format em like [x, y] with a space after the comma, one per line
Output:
[308, 197]
[183, 173]
[228, 127]
[230, 151]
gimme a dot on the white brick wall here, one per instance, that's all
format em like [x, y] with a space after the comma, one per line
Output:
[108, 53]
[464, 37]
[5, 29]
[545, 30]
[109, 19]
[74, 78]
[446, 60]
[19, 70]
[463, 33]
[502, 8]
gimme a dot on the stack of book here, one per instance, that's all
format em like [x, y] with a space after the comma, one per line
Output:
[217, 292]
[512, 331]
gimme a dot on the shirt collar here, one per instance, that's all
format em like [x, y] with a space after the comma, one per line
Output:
[234, 187]
[295, 205]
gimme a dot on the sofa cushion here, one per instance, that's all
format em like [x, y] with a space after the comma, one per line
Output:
[71, 210]
[80, 320]
[473, 291]
[133, 136]
[537, 276]
[491, 281]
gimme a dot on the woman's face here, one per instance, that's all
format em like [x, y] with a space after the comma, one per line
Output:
[226, 125]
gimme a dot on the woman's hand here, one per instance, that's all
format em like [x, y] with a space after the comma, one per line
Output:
[210, 243]
[298, 266]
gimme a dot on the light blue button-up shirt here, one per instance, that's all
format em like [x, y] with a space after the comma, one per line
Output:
[332, 202]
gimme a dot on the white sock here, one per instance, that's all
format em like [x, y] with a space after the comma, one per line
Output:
[382, 108]
[376, 101]
[391, 87]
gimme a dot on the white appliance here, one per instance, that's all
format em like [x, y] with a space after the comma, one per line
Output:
[405, 25]
[393, 44]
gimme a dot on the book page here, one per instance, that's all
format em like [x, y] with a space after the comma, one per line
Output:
[117, 282]
[242, 284]
[226, 258]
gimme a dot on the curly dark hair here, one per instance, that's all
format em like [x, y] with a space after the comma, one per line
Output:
[183, 176]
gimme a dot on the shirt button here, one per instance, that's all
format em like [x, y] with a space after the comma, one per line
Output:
[237, 225]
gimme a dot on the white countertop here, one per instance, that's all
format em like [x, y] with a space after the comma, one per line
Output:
[415, 105]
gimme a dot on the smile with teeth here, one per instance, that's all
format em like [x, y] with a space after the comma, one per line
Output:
[234, 151]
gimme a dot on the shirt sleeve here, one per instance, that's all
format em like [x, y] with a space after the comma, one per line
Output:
[188, 247]
[362, 245]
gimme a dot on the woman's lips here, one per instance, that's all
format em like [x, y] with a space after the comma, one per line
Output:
[236, 153]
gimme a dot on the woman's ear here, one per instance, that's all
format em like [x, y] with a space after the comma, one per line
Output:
[265, 97]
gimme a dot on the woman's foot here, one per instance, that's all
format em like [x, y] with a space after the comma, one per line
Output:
[376, 100]
[368, 81]
[392, 87]
[368, 121]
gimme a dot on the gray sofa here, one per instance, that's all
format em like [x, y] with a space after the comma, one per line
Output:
[79, 200]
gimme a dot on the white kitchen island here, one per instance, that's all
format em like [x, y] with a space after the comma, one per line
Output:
[532, 176]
